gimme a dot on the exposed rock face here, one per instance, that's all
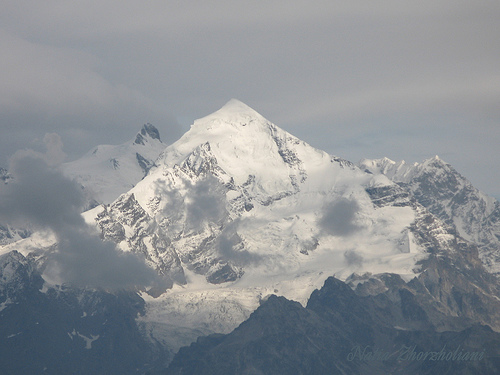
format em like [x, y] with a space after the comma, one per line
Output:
[126, 216]
[147, 130]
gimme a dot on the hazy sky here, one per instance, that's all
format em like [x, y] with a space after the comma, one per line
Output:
[395, 78]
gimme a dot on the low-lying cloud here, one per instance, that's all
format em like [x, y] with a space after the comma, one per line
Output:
[206, 202]
[338, 217]
[230, 247]
[41, 195]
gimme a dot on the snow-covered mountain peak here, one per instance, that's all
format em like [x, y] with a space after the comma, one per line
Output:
[401, 171]
[107, 171]
[377, 164]
[233, 112]
[385, 166]
[433, 162]
[238, 208]
[243, 143]
[237, 107]
[233, 118]
[237, 198]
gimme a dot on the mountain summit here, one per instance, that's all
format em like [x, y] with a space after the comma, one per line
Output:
[236, 193]
[233, 111]
[244, 144]
[107, 171]
[240, 204]
[148, 131]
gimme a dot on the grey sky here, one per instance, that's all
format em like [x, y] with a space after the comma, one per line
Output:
[395, 78]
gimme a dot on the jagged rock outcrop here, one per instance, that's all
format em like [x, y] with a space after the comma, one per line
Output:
[126, 216]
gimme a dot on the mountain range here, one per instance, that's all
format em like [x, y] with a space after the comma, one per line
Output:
[238, 212]
[452, 198]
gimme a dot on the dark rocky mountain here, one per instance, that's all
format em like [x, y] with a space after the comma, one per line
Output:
[342, 332]
[64, 330]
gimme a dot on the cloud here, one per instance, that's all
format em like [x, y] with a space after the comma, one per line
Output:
[353, 258]
[205, 202]
[339, 217]
[195, 203]
[84, 260]
[231, 247]
[55, 154]
[50, 79]
[41, 195]
[46, 88]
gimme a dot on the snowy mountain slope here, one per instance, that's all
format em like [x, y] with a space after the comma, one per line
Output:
[451, 197]
[237, 193]
[238, 208]
[107, 171]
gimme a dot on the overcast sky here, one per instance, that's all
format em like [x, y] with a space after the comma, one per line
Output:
[402, 79]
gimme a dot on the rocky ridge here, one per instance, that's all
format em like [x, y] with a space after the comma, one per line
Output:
[452, 198]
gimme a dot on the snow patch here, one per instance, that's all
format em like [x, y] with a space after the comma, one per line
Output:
[5, 303]
[88, 340]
